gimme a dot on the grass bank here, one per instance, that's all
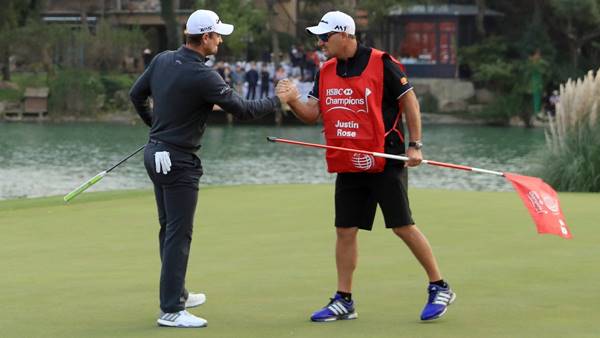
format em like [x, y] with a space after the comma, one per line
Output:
[263, 255]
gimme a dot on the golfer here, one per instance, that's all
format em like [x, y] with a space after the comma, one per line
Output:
[360, 93]
[184, 91]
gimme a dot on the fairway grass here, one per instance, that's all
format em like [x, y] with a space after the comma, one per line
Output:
[264, 257]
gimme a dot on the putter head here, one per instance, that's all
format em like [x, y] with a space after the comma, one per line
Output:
[271, 138]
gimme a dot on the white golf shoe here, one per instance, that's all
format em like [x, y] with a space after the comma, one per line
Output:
[180, 319]
[195, 299]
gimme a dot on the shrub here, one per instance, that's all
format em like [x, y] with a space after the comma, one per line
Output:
[107, 49]
[572, 162]
[116, 88]
[502, 109]
[22, 81]
[27, 79]
[117, 81]
[9, 94]
[75, 92]
[577, 168]
[495, 66]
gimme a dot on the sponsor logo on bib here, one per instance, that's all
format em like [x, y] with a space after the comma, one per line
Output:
[363, 161]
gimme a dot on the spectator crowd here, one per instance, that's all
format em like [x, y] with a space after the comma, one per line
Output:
[255, 80]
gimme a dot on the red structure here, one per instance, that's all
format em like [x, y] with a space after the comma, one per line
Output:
[426, 38]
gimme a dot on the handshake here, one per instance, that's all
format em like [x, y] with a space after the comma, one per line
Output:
[287, 91]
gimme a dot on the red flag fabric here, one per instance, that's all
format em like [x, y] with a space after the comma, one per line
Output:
[542, 202]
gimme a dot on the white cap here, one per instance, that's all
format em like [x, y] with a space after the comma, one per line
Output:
[334, 22]
[205, 21]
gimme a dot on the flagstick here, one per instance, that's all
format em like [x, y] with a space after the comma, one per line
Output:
[539, 198]
[384, 155]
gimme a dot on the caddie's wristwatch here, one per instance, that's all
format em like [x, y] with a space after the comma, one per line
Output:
[416, 144]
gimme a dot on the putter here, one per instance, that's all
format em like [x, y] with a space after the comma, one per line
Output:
[97, 178]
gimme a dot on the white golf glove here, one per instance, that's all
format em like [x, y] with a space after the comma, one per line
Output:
[162, 161]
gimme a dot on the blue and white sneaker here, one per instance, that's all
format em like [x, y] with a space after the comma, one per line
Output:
[437, 304]
[337, 309]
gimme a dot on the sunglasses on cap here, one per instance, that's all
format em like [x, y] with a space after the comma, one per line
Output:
[325, 37]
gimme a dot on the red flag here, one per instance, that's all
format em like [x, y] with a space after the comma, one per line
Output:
[542, 202]
[539, 198]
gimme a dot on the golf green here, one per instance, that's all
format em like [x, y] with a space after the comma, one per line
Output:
[264, 257]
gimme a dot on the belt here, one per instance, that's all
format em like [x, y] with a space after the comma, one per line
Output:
[171, 146]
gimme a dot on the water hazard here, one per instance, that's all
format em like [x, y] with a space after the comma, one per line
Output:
[52, 159]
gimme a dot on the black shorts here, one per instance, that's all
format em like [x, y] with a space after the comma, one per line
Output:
[358, 194]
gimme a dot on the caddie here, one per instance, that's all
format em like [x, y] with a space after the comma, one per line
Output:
[360, 94]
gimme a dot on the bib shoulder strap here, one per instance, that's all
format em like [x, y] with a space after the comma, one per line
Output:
[381, 53]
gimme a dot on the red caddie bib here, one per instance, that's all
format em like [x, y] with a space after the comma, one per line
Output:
[352, 116]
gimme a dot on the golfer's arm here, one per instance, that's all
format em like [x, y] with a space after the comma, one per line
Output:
[410, 106]
[216, 91]
[245, 110]
[307, 112]
[139, 94]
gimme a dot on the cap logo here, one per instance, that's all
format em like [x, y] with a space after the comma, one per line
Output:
[206, 29]
[340, 28]
[323, 21]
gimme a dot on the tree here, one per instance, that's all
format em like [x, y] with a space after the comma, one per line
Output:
[271, 28]
[513, 78]
[7, 23]
[38, 42]
[480, 18]
[86, 6]
[535, 37]
[249, 23]
[580, 23]
[167, 12]
[13, 14]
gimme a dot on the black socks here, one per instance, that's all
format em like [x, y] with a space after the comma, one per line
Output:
[346, 295]
[440, 283]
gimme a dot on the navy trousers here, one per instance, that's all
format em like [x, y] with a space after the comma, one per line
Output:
[176, 198]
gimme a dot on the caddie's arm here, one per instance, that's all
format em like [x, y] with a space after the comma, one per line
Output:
[410, 106]
[307, 112]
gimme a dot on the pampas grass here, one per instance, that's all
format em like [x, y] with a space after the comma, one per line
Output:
[572, 162]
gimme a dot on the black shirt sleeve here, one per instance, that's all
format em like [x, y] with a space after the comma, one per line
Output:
[140, 92]
[315, 90]
[395, 85]
[395, 79]
[216, 91]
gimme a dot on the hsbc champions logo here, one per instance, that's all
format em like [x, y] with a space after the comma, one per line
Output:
[542, 202]
[551, 202]
[342, 96]
[363, 161]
